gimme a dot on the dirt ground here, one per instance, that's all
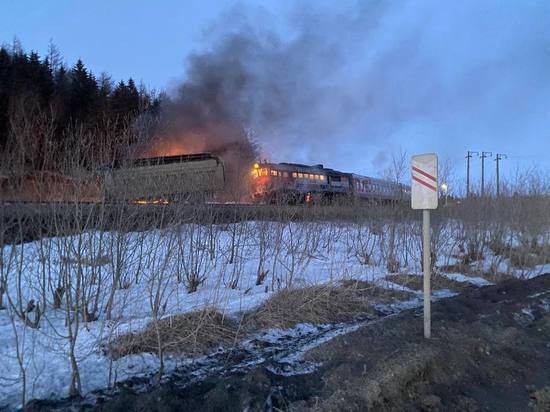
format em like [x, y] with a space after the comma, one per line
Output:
[415, 282]
[490, 350]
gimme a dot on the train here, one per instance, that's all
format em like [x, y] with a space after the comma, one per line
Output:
[189, 177]
[300, 183]
[197, 178]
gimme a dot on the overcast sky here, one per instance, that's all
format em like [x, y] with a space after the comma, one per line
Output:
[420, 76]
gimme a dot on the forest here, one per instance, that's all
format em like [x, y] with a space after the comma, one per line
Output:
[46, 104]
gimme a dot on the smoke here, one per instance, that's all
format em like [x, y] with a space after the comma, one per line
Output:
[341, 84]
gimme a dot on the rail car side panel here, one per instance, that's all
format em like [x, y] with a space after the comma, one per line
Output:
[165, 181]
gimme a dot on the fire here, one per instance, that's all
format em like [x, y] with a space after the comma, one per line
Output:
[151, 202]
[258, 171]
[168, 149]
[174, 145]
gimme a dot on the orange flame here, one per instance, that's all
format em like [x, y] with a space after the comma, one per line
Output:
[174, 145]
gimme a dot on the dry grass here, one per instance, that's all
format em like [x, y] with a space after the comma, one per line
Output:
[529, 257]
[456, 268]
[320, 305]
[188, 333]
[199, 332]
[437, 282]
[374, 293]
[492, 276]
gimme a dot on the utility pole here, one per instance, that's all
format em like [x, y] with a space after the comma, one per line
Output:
[468, 157]
[498, 158]
[483, 156]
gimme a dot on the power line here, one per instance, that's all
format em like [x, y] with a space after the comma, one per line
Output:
[498, 158]
[483, 156]
[468, 157]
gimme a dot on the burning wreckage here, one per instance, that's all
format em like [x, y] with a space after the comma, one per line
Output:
[199, 177]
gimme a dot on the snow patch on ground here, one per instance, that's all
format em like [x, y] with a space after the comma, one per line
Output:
[459, 277]
[296, 255]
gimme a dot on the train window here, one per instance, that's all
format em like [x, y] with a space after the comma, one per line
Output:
[294, 174]
[274, 173]
[263, 172]
[300, 175]
[322, 177]
[310, 176]
[254, 173]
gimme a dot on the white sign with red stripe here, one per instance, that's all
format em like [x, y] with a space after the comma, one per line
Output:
[424, 181]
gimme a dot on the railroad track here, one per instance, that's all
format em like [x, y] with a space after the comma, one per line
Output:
[22, 222]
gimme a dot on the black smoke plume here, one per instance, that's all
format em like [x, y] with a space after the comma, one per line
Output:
[340, 84]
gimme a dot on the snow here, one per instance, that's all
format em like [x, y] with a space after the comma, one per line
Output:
[537, 271]
[291, 360]
[459, 277]
[154, 263]
[45, 350]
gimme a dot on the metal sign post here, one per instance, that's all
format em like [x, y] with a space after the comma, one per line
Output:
[424, 197]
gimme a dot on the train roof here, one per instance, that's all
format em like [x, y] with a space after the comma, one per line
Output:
[299, 166]
[328, 171]
[165, 160]
[295, 167]
[373, 179]
[378, 180]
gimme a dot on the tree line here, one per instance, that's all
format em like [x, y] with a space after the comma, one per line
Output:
[45, 106]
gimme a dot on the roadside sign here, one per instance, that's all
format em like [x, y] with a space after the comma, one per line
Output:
[424, 196]
[424, 193]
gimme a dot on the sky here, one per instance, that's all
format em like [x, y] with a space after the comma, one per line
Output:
[359, 81]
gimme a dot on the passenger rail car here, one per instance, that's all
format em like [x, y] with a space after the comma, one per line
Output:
[292, 182]
[166, 178]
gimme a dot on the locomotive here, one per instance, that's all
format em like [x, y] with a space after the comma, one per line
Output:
[299, 183]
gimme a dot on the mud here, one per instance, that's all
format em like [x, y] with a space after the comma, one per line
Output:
[415, 282]
[490, 351]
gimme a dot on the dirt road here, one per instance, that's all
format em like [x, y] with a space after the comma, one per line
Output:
[490, 351]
